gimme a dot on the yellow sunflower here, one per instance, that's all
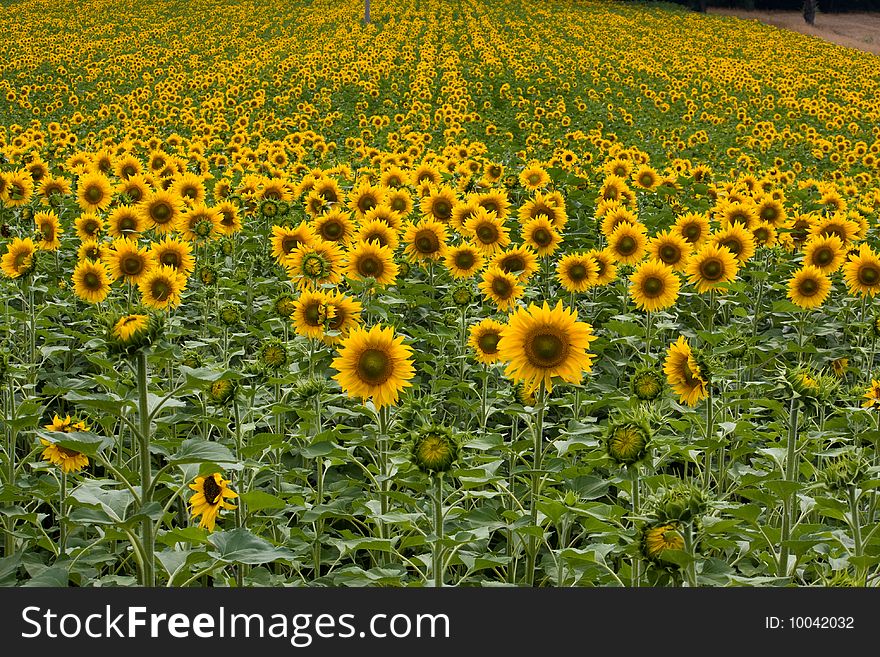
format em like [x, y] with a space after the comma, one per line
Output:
[315, 264]
[862, 272]
[872, 395]
[438, 205]
[711, 267]
[484, 338]
[334, 226]
[627, 244]
[94, 192]
[199, 223]
[519, 260]
[129, 327]
[496, 201]
[128, 260]
[66, 459]
[364, 198]
[487, 232]
[670, 248]
[91, 281]
[370, 260]
[577, 272]
[230, 220]
[646, 178]
[19, 257]
[211, 493]
[543, 204]
[312, 312]
[161, 287]
[425, 240]
[50, 231]
[464, 261]
[658, 538]
[764, 234]
[344, 314]
[173, 253]
[808, 287]
[738, 240]
[88, 226]
[161, 211]
[606, 268]
[540, 343]
[654, 286]
[286, 240]
[125, 221]
[693, 227]
[374, 365]
[540, 235]
[684, 374]
[501, 288]
[534, 177]
[836, 224]
[825, 253]
[615, 217]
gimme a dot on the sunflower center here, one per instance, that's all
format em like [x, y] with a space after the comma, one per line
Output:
[652, 287]
[160, 289]
[464, 260]
[489, 206]
[427, 242]
[691, 232]
[646, 180]
[542, 237]
[823, 256]
[512, 264]
[546, 350]
[91, 281]
[128, 171]
[94, 194]
[869, 275]
[626, 245]
[669, 253]
[289, 243]
[489, 342]
[315, 314]
[366, 203]
[161, 212]
[134, 193]
[211, 490]
[808, 287]
[577, 272]
[533, 178]
[502, 288]
[733, 245]
[487, 233]
[369, 266]
[374, 366]
[398, 205]
[132, 265]
[127, 224]
[333, 230]
[712, 269]
[442, 209]
[171, 259]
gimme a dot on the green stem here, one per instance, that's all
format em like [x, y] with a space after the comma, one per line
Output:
[11, 440]
[62, 517]
[856, 525]
[649, 324]
[710, 431]
[484, 402]
[636, 503]
[437, 568]
[463, 343]
[791, 471]
[148, 577]
[690, 548]
[319, 492]
[537, 458]
[384, 469]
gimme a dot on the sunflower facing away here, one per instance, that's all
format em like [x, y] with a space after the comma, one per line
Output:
[374, 365]
[808, 287]
[542, 343]
[484, 338]
[654, 286]
[91, 281]
[211, 493]
[683, 373]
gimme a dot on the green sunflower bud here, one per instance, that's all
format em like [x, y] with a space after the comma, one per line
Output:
[659, 537]
[222, 391]
[309, 388]
[192, 359]
[627, 440]
[462, 296]
[647, 384]
[269, 209]
[404, 269]
[434, 449]
[273, 355]
[285, 305]
[208, 275]
[847, 469]
[682, 503]
[230, 315]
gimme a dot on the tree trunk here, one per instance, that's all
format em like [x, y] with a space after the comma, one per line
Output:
[366, 12]
[810, 7]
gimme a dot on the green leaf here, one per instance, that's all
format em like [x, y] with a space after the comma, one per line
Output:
[197, 450]
[257, 500]
[53, 576]
[241, 546]
[85, 442]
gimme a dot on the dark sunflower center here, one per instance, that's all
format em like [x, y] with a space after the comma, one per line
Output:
[464, 260]
[128, 171]
[577, 272]
[132, 265]
[669, 253]
[542, 237]
[160, 289]
[487, 233]
[835, 230]
[127, 224]
[366, 203]
[712, 269]
[733, 245]
[652, 286]
[313, 314]
[691, 232]
[427, 242]
[398, 205]
[289, 243]
[502, 288]
[489, 342]
[808, 287]
[546, 350]
[869, 275]
[67, 453]
[442, 209]
[646, 179]
[369, 266]
[513, 263]
[211, 490]
[94, 194]
[170, 258]
[823, 256]
[489, 206]
[92, 281]
[161, 212]
[374, 366]
[134, 193]
[626, 245]
[333, 230]
[533, 178]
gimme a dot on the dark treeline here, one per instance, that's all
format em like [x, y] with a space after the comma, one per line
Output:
[822, 6]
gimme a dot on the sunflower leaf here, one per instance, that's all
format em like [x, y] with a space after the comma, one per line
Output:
[196, 450]
[241, 546]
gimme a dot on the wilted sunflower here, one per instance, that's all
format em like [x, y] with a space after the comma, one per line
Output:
[161, 287]
[627, 244]
[463, 261]
[862, 272]
[540, 343]
[312, 312]
[501, 288]
[684, 373]
[20, 258]
[50, 230]
[91, 281]
[161, 210]
[808, 287]
[211, 493]
[658, 538]
[425, 240]
[711, 267]
[222, 391]
[374, 364]
[94, 192]
[484, 338]
[671, 249]
[369, 260]
[487, 232]
[172, 252]
[654, 286]
[128, 260]
[540, 235]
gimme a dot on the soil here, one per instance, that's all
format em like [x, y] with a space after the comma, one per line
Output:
[860, 31]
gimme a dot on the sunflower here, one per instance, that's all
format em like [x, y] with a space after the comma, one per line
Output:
[364, 198]
[127, 166]
[544, 204]
[670, 248]
[135, 188]
[487, 231]
[344, 314]
[312, 265]
[693, 227]
[161, 287]
[661, 537]
[501, 288]
[627, 441]
[615, 217]
[738, 240]
[542, 343]
[211, 493]
[67, 459]
[379, 232]
[438, 205]
[862, 272]
[838, 225]
[464, 261]
[189, 187]
[311, 314]
[199, 223]
[771, 211]
[540, 235]
[809, 287]
[654, 286]
[606, 268]
[374, 364]
[764, 234]
[518, 260]
[91, 281]
[125, 221]
[872, 395]
[577, 272]
[53, 188]
[425, 173]
[613, 188]
[711, 267]
[334, 226]
[130, 327]
[484, 338]
[825, 253]
[161, 211]
[425, 240]
[533, 177]
[94, 192]
[384, 213]
[684, 374]
[19, 259]
[627, 244]
[91, 250]
[18, 189]
[286, 240]
[230, 221]
[646, 178]
[369, 260]
[50, 231]
[128, 260]
[173, 253]
[398, 201]
[743, 213]
[496, 201]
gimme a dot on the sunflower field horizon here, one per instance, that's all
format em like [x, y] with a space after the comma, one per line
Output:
[480, 293]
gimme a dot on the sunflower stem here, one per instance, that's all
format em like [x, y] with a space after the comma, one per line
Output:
[484, 401]
[11, 440]
[148, 573]
[649, 324]
[463, 343]
[62, 516]
[437, 567]
[635, 484]
[239, 512]
[508, 503]
[791, 471]
[537, 457]
[319, 492]
[690, 548]
[871, 358]
[384, 488]
[710, 431]
[856, 526]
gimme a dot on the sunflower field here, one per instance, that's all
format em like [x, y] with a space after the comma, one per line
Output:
[479, 293]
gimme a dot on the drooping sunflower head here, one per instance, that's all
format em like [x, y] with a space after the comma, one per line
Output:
[211, 493]
[847, 469]
[434, 449]
[657, 538]
[627, 440]
[128, 333]
[222, 391]
[67, 459]
[647, 384]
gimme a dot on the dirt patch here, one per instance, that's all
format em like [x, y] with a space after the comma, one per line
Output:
[860, 31]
